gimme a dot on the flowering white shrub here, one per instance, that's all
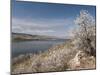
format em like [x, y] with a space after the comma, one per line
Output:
[86, 32]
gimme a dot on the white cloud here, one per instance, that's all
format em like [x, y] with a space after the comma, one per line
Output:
[54, 27]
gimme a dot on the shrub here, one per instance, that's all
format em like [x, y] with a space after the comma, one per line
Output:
[85, 34]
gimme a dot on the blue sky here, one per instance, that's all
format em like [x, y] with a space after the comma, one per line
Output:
[45, 18]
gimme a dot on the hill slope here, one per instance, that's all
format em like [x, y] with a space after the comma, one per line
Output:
[27, 37]
[59, 58]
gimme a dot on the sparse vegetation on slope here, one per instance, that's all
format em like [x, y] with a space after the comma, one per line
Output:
[53, 60]
[59, 58]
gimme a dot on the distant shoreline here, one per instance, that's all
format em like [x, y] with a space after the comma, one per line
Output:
[27, 37]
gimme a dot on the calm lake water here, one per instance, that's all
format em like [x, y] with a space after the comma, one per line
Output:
[24, 47]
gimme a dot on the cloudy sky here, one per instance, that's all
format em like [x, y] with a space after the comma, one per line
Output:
[45, 18]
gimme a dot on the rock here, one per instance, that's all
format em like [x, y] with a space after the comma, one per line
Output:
[82, 61]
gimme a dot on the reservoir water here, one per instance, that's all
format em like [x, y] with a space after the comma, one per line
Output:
[24, 47]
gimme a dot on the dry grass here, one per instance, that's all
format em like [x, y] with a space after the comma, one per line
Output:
[57, 58]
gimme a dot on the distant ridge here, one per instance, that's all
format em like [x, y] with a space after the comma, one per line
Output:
[25, 37]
